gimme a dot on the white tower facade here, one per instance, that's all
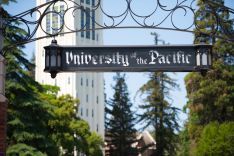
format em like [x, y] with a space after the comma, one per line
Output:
[87, 87]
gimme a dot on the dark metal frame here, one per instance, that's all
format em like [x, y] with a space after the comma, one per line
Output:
[56, 58]
[116, 21]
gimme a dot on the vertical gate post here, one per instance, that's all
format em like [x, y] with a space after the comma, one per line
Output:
[3, 100]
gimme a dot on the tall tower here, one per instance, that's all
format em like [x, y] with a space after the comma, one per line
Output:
[87, 87]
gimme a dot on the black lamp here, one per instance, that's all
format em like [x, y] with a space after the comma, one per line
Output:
[53, 58]
[204, 57]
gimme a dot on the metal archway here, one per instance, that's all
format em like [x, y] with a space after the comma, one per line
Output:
[188, 7]
[149, 21]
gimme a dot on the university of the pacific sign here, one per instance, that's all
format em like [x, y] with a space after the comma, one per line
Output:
[129, 58]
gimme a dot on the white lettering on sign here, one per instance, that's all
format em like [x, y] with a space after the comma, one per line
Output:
[153, 57]
[177, 58]
[85, 59]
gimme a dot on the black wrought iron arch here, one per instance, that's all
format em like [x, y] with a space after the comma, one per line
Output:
[116, 21]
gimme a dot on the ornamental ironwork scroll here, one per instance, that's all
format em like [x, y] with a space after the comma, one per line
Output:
[154, 19]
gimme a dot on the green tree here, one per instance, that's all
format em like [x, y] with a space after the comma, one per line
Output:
[216, 139]
[36, 116]
[66, 129]
[95, 142]
[23, 150]
[212, 19]
[210, 97]
[120, 121]
[159, 113]
[27, 114]
[32, 68]
[183, 143]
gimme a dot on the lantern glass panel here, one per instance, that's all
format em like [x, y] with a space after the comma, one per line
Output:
[198, 59]
[47, 60]
[210, 59]
[204, 59]
[58, 60]
[53, 59]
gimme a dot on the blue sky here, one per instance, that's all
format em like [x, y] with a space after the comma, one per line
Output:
[132, 37]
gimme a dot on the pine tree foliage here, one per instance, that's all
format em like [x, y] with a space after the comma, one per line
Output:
[38, 119]
[158, 112]
[210, 97]
[184, 142]
[32, 68]
[120, 121]
[212, 18]
[27, 114]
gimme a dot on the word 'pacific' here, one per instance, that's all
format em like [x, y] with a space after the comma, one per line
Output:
[176, 58]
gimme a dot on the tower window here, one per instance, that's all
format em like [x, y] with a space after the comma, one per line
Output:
[87, 98]
[48, 21]
[82, 22]
[62, 19]
[92, 83]
[93, 25]
[81, 112]
[88, 23]
[87, 82]
[87, 1]
[92, 113]
[55, 21]
[97, 128]
[97, 99]
[87, 112]
[81, 81]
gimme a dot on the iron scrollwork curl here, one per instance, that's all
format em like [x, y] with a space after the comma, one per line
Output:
[150, 20]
